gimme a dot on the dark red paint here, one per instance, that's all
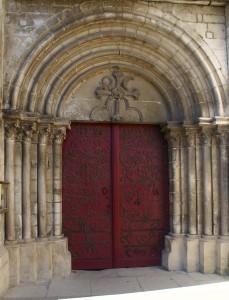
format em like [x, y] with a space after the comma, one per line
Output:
[115, 195]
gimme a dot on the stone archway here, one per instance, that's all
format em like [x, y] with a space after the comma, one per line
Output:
[43, 97]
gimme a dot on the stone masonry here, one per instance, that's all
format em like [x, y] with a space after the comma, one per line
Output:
[53, 55]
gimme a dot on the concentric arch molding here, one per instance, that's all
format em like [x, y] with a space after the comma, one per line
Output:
[96, 35]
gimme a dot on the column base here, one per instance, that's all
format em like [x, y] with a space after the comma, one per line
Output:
[38, 261]
[192, 262]
[208, 255]
[28, 262]
[4, 270]
[173, 256]
[61, 258]
[14, 263]
[222, 264]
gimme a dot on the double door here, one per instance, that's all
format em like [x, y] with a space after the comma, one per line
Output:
[115, 195]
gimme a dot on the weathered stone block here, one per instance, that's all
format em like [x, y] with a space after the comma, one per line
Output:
[44, 262]
[208, 255]
[14, 264]
[222, 267]
[214, 19]
[192, 263]
[61, 258]
[173, 256]
[28, 263]
[4, 270]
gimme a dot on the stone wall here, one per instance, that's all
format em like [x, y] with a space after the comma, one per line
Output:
[227, 31]
[4, 257]
[193, 45]
[22, 19]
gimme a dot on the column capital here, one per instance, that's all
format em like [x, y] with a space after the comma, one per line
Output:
[174, 135]
[206, 135]
[28, 130]
[222, 134]
[11, 129]
[44, 131]
[59, 134]
[191, 134]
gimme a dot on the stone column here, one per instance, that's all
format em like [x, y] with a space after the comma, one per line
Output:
[192, 239]
[192, 203]
[184, 185]
[223, 148]
[10, 132]
[199, 183]
[223, 241]
[59, 136]
[27, 130]
[173, 254]
[216, 177]
[174, 139]
[43, 134]
[208, 241]
[207, 181]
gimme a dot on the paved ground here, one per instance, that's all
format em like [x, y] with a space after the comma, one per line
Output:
[140, 281]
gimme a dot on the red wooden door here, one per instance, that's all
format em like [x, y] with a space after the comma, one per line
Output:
[115, 195]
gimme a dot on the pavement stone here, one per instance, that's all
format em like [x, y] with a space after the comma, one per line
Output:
[118, 281]
[111, 286]
[69, 287]
[27, 292]
[156, 283]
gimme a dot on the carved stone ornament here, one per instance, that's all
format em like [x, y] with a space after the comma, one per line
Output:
[59, 135]
[206, 136]
[28, 131]
[113, 90]
[174, 137]
[222, 136]
[11, 129]
[191, 136]
[44, 134]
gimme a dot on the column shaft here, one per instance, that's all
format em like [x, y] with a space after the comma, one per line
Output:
[174, 136]
[223, 139]
[41, 182]
[207, 182]
[184, 191]
[216, 174]
[192, 203]
[59, 135]
[9, 176]
[199, 185]
[26, 191]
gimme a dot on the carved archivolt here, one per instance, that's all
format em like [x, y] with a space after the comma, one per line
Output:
[46, 87]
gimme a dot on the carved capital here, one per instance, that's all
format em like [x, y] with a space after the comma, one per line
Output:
[206, 136]
[28, 130]
[191, 136]
[59, 134]
[11, 129]
[44, 133]
[174, 137]
[222, 135]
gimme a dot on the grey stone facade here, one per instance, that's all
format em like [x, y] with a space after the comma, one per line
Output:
[56, 59]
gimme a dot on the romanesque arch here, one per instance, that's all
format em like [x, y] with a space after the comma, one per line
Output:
[86, 44]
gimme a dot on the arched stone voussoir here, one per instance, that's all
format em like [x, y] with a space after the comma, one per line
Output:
[65, 30]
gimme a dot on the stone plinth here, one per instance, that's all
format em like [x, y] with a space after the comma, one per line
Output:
[222, 247]
[38, 261]
[174, 253]
[4, 270]
[192, 263]
[208, 255]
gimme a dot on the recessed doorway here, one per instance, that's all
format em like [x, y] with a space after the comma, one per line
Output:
[115, 195]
